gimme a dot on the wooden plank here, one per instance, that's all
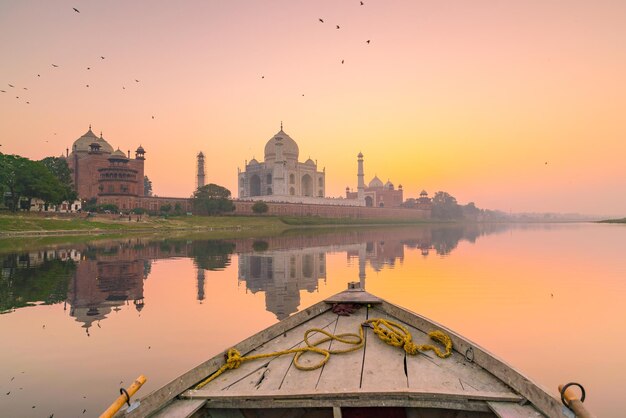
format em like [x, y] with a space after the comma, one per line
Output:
[225, 413]
[428, 370]
[513, 410]
[538, 396]
[471, 401]
[268, 374]
[343, 371]
[383, 364]
[180, 408]
[162, 396]
[354, 296]
[300, 380]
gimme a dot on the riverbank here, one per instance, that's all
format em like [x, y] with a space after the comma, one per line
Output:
[37, 225]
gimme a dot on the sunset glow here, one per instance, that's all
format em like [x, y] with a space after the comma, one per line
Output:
[516, 106]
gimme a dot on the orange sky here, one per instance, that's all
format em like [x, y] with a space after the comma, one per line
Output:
[513, 105]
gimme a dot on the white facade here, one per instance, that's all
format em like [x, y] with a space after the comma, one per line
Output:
[281, 174]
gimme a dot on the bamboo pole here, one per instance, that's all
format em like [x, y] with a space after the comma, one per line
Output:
[574, 403]
[121, 400]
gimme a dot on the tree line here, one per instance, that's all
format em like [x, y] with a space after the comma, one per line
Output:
[22, 180]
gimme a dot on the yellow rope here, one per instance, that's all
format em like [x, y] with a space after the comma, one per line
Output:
[397, 335]
[390, 332]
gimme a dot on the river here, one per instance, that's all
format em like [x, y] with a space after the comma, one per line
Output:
[80, 321]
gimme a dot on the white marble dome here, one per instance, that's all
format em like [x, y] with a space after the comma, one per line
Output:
[290, 148]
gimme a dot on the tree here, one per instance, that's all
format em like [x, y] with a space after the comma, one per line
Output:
[212, 200]
[25, 179]
[445, 207]
[260, 207]
[147, 186]
[166, 208]
[61, 171]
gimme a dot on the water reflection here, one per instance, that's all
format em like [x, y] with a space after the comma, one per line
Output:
[95, 280]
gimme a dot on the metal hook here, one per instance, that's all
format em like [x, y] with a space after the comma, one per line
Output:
[123, 392]
[469, 355]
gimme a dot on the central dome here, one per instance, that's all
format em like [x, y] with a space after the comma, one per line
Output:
[83, 143]
[290, 148]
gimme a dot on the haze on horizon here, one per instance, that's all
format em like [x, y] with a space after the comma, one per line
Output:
[516, 106]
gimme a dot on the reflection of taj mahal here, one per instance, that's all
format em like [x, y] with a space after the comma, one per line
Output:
[281, 275]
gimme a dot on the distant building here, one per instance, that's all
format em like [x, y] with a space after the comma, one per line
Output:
[376, 194]
[113, 177]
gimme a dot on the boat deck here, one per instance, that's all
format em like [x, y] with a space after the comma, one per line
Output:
[376, 375]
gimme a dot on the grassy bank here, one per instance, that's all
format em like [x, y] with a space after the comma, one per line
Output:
[35, 224]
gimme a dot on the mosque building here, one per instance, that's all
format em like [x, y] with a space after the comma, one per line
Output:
[112, 176]
[280, 176]
[376, 194]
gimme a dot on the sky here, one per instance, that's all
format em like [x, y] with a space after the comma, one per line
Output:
[515, 106]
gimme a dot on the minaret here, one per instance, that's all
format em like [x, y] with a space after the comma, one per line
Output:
[200, 180]
[361, 180]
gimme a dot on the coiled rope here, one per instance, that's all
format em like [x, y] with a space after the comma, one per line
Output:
[389, 331]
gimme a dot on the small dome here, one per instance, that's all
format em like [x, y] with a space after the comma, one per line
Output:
[376, 182]
[360, 155]
[140, 150]
[253, 162]
[423, 193]
[389, 185]
[290, 148]
[118, 154]
[309, 162]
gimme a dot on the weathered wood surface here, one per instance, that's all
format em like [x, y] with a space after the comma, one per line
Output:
[549, 405]
[343, 371]
[180, 408]
[306, 399]
[383, 365]
[269, 373]
[427, 370]
[354, 296]
[164, 395]
[513, 410]
[379, 374]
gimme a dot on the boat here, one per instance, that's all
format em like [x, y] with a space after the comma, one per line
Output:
[351, 372]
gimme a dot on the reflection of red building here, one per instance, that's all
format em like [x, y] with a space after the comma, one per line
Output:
[98, 287]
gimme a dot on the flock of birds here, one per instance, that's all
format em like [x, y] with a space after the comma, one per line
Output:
[12, 86]
[102, 57]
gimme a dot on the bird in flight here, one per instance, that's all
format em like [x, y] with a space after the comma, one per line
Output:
[342, 61]
[27, 89]
[101, 57]
[368, 41]
[87, 85]
[262, 76]
[362, 3]
[3, 91]
[76, 10]
[321, 20]
[11, 85]
[89, 68]
[54, 65]
[136, 81]
[337, 26]
[152, 117]
[38, 75]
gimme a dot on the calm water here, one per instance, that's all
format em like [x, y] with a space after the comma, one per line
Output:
[80, 321]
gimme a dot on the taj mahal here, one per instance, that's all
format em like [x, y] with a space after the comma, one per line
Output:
[281, 177]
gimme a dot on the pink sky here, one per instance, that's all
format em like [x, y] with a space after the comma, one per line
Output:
[517, 106]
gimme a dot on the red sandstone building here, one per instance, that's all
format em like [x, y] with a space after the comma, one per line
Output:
[112, 177]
